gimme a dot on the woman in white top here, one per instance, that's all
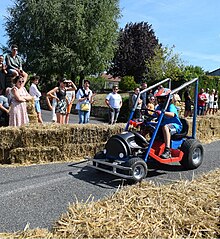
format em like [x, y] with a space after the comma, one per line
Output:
[84, 98]
[33, 91]
[211, 102]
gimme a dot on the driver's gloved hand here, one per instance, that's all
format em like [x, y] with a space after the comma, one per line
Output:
[158, 112]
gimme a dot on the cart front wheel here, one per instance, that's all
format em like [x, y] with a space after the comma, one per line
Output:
[138, 169]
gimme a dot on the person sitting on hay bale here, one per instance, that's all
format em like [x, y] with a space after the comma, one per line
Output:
[14, 64]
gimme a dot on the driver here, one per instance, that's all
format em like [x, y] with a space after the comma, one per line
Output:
[170, 123]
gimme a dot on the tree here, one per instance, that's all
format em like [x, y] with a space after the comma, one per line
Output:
[136, 45]
[64, 37]
[165, 64]
[191, 72]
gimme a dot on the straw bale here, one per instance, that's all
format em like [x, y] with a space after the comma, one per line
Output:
[4, 154]
[44, 135]
[30, 106]
[34, 155]
[93, 133]
[181, 210]
[32, 115]
[33, 118]
[10, 137]
[81, 150]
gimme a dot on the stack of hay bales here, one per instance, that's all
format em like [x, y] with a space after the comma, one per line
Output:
[208, 128]
[53, 142]
[37, 143]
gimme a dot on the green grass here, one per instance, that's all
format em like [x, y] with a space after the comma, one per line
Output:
[100, 99]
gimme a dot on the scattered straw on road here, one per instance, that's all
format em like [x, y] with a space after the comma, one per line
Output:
[185, 209]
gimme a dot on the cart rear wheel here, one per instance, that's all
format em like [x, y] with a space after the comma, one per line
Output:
[193, 154]
[138, 169]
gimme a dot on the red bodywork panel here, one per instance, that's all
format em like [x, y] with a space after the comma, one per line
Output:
[158, 148]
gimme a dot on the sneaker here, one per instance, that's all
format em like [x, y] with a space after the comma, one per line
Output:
[166, 154]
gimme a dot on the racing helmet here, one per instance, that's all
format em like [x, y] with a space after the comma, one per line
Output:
[162, 92]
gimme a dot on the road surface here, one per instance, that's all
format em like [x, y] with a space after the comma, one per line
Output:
[37, 195]
[47, 117]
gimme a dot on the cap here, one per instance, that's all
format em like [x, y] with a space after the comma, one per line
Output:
[162, 92]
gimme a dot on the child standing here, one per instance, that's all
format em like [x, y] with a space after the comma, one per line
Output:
[33, 91]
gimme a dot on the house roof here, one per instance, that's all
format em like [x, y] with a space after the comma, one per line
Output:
[110, 78]
[215, 71]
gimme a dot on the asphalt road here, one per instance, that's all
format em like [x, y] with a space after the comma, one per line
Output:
[74, 119]
[37, 195]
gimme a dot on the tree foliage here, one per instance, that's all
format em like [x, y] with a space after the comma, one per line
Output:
[165, 64]
[136, 45]
[63, 36]
[127, 83]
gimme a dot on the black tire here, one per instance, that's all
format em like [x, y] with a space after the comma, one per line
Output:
[138, 169]
[193, 154]
[99, 155]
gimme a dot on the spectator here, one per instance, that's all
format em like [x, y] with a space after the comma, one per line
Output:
[59, 93]
[150, 106]
[52, 106]
[177, 101]
[84, 98]
[34, 91]
[207, 101]
[3, 73]
[170, 123]
[144, 96]
[216, 102]
[70, 95]
[18, 111]
[188, 103]
[201, 102]
[114, 102]
[211, 102]
[14, 64]
[137, 113]
[4, 109]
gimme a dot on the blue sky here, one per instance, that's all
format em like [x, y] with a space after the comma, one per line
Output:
[192, 26]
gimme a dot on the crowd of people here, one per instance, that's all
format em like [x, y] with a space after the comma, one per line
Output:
[14, 96]
[207, 101]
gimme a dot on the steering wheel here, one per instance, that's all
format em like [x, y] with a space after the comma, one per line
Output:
[147, 115]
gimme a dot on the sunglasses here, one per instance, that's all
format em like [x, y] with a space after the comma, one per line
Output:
[21, 81]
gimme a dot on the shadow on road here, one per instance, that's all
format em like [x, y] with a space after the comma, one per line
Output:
[97, 177]
[158, 169]
[106, 180]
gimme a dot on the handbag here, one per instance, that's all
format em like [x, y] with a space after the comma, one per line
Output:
[84, 107]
